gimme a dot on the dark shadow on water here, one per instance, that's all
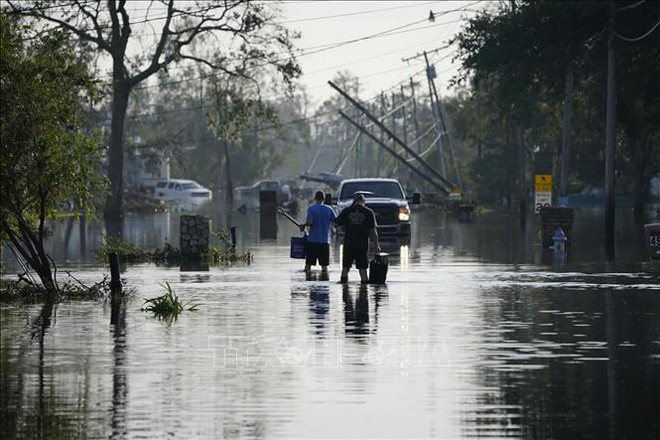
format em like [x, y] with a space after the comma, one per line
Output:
[119, 375]
[194, 266]
[356, 312]
[319, 307]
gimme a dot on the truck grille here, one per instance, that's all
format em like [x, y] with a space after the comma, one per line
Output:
[385, 214]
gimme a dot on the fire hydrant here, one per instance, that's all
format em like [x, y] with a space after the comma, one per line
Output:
[559, 241]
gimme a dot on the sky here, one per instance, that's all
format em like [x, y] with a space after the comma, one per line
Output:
[377, 61]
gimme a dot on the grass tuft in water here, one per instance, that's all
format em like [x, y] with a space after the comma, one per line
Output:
[167, 306]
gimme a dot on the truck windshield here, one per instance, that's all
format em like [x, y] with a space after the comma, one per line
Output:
[190, 185]
[390, 190]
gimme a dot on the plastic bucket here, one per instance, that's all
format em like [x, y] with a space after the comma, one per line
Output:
[298, 247]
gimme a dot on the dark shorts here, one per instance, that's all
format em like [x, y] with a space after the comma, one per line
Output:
[358, 255]
[317, 251]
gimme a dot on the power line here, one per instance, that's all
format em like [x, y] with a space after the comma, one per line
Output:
[377, 35]
[372, 11]
[634, 5]
[641, 37]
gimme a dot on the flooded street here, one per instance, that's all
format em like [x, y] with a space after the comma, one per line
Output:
[477, 333]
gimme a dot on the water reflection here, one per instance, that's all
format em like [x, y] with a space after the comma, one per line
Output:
[119, 374]
[356, 312]
[319, 307]
[474, 335]
[580, 363]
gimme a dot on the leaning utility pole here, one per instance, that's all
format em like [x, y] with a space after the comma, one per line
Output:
[390, 150]
[394, 137]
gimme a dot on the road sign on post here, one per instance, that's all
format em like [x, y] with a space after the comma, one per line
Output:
[542, 191]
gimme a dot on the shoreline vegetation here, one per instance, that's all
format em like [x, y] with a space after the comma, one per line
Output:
[26, 289]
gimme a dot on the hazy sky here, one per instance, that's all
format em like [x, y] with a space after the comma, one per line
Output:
[378, 60]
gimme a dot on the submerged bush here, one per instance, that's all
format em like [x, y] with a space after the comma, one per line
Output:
[23, 290]
[170, 255]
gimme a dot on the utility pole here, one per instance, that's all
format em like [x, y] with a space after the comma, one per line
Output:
[401, 159]
[405, 120]
[379, 154]
[415, 119]
[448, 184]
[414, 103]
[609, 140]
[396, 165]
[445, 129]
[430, 75]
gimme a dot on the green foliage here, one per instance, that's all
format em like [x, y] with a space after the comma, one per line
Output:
[47, 160]
[168, 254]
[128, 252]
[167, 306]
[518, 59]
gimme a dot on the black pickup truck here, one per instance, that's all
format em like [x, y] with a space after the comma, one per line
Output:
[383, 196]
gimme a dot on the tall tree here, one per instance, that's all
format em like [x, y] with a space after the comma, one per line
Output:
[47, 161]
[544, 53]
[236, 37]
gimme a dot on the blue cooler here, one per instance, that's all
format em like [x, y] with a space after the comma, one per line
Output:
[298, 247]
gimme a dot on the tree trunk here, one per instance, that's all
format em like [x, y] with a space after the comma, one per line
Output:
[610, 122]
[230, 184]
[120, 94]
[566, 133]
[643, 164]
[522, 174]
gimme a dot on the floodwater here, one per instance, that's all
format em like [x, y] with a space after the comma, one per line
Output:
[478, 333]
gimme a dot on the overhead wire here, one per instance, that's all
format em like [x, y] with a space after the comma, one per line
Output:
[349, 14]
[641, 37]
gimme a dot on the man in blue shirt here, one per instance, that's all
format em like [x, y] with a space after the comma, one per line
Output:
[319, 219]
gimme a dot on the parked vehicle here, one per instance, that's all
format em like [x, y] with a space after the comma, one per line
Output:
[183, 193]
[383, 196]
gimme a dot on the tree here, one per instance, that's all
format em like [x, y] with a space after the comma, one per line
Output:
[47, 162]
[539, 55]
[245, 40]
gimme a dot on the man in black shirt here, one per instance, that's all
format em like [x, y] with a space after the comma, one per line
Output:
[359, 224]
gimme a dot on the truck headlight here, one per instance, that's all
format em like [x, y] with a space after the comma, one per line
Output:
[404, 214]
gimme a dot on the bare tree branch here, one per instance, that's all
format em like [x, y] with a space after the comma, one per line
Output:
[94, 17]
[81, 33]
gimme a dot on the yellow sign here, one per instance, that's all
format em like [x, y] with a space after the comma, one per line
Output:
[542, 182]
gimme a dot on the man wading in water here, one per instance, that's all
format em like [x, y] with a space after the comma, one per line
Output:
[359, 224]
[319, 219]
